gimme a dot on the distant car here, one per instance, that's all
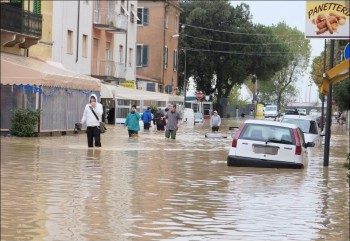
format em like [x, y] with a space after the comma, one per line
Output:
[314, 112]
[270, 111]
[308, 124]
[261, 143]
[198, 118]
[291, 111]
[301, 111]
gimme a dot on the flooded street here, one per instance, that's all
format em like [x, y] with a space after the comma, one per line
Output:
[152, 188]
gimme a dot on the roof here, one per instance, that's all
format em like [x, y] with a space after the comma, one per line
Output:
[16, 70]
[271, 123]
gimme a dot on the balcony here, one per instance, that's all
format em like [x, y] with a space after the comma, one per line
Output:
[108, 70]
[109, 20]
[19, 27]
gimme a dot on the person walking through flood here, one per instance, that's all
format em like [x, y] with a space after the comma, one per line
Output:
[160, 120]
[173, 119]
[132, 122]
[92, 116]
[147, 118]
[215, 121]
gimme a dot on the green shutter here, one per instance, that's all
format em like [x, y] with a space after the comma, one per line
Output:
[37, 6]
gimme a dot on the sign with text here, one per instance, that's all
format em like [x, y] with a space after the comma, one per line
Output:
[327, 20]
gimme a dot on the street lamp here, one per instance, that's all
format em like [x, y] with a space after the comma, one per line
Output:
[255, 97]
[185, 77]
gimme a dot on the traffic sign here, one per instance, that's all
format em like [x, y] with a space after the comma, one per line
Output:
[347, 51]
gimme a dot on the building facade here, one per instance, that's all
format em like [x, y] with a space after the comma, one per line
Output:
[157, 45]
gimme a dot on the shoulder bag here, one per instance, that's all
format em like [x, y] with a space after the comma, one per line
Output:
[102, 125]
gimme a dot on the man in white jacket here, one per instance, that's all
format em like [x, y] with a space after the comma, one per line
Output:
[93, 121]
[215, 121]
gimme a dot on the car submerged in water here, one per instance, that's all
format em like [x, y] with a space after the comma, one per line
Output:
[271, 144]
[198, 118]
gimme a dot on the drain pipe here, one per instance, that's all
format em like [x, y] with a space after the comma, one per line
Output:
[78, 23]
[163, 70]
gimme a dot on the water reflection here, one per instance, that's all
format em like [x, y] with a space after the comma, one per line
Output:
[152, 188]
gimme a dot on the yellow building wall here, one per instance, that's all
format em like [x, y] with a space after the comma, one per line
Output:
[43, 48]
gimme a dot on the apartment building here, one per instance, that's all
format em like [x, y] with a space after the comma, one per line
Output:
[157, 45]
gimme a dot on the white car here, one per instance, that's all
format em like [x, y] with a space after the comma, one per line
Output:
[308, 124]
[198, 118]
[261, 143]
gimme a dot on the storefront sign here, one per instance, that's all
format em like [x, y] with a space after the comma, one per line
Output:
[327, 19]
[128, 84]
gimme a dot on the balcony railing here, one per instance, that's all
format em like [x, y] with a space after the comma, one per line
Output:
[109, 20]
[17, 20]
[108, 68]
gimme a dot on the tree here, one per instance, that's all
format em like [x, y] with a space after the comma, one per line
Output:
[318, 67]
[223, 47]
[297, 61]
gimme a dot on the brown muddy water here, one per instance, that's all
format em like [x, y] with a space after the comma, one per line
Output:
[152, 188]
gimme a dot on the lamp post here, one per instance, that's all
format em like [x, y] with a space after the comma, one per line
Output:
[255, 97]
[185, 77]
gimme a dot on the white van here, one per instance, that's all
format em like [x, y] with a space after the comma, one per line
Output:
[187, 117]
[270, 111]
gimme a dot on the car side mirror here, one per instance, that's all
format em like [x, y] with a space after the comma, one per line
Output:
[323, 133]
[309, 144]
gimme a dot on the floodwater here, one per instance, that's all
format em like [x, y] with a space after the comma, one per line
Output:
[152, 188]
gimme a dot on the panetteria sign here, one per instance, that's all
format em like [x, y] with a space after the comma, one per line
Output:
[327, 19]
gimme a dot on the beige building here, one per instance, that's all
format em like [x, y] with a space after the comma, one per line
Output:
[157, 45]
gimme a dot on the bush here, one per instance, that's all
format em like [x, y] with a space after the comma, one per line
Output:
[24, 122]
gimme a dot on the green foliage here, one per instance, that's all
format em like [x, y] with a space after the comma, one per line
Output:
[347, 166]
[153, 109]
[219, 60]
[24, 122]
[341, 94]
[235, 97]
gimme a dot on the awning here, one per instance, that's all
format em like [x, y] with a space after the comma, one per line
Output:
[16, 70]
[124, 93]
[336, 74]
[108, 91]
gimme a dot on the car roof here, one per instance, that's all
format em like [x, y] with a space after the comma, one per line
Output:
[303, 117]
[271, 123]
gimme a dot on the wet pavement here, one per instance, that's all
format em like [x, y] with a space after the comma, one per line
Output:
[152, 188]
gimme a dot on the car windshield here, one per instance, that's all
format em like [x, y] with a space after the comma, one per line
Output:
[307, 126]
[267, 133]
[270, 108]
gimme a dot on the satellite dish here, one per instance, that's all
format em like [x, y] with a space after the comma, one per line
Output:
[168, 89]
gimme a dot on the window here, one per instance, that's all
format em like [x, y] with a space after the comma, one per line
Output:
[166, 19]
[121, 53]
[141, 55]
[165, 57]
[85, 45]
[70, 42]
[142, 15]
[175, 60]
[131, 56]
[151, 87]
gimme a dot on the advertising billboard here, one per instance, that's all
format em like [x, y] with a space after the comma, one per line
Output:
[327, 19]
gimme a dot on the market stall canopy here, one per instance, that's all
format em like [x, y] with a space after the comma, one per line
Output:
[124, 93]
[16, 70]
[107, 91]
[336, 74]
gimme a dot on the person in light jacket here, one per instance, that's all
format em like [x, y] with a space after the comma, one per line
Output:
[93, 123]
[215, 121]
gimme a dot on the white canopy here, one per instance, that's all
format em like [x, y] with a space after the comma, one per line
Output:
[124, 93]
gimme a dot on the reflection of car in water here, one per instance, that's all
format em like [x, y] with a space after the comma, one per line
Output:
[261, 143]
[198, 118]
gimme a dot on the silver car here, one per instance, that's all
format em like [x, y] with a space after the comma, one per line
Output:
[308, 125]
[198, 118]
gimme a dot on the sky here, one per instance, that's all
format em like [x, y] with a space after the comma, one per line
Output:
[293, 14]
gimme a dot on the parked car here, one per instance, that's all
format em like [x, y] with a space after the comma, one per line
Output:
[270, 111]
[291, 111]
[198, 118]
[308, 124]
[301, 111]
[261, 143]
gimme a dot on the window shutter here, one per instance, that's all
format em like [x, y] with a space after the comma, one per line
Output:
[145, 55]
[37, 6]
[145, 16]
